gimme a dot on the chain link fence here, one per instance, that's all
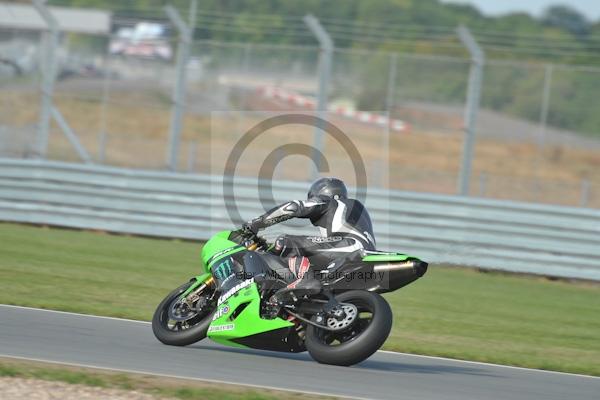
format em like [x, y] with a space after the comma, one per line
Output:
[538, 129]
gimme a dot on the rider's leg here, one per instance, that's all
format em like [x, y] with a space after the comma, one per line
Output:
[320, 250]
[300, 267]
[287, 246]
[297, 250]
[303, 281]
[309, 254]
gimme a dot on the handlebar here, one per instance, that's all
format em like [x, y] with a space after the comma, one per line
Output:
[254, 237]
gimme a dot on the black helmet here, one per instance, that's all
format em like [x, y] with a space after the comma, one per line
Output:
[328, 187]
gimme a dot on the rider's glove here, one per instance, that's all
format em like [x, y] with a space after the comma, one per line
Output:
[250, 228]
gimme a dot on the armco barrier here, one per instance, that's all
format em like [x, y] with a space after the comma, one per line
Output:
[505, 235]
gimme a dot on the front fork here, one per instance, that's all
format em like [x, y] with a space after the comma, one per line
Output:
[200, 282]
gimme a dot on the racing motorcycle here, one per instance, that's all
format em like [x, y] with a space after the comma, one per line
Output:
[343, 324]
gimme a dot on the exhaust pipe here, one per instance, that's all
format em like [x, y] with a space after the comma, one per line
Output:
[417, 267]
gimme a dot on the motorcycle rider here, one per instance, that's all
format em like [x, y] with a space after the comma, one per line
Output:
[345, 225]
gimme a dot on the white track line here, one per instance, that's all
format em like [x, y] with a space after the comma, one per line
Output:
[76, 314]
[133, 371]
[396, 353]
[488, 364]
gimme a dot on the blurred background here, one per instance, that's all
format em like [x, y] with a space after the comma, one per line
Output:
[399, 71]
[477, 123]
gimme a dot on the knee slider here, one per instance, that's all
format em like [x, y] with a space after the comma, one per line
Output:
[279, 245]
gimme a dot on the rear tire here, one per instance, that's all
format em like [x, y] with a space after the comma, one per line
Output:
[370, 333]
[185, 337]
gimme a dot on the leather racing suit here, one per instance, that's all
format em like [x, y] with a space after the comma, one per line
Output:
[345, 225]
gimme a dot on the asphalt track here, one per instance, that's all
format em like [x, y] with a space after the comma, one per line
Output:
[127, 345]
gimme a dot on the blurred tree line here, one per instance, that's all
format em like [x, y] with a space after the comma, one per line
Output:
[560, 36]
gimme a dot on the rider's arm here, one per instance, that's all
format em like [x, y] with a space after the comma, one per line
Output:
[283, 212]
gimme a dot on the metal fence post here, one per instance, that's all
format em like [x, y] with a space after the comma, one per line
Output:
[471, 107]
[390, 100]
[192, 17]
[244, 93]
[48, 70]
[246, 71]
[548, 72]
[103, 134]
[183, 52]
[391, 89]
[71, 136]
[48, 111]
[325, 63]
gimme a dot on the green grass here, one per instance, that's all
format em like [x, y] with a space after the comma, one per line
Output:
[499, 318]
[162, 387]
[92, 273]
[452, 312]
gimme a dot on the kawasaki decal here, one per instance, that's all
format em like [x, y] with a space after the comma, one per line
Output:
[234, 290]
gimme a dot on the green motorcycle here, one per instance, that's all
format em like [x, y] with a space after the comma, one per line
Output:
[343, 324]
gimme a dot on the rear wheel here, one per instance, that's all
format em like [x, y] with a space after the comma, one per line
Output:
[362, 330]
[176, 323]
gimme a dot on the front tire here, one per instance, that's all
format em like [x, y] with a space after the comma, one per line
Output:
[359, 341]
[195, 330]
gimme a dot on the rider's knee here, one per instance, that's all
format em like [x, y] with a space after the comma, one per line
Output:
[279, 245]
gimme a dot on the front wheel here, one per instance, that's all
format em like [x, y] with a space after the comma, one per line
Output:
[365, 334]
[176, 323]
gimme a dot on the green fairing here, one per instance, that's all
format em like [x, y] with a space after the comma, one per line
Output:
[386, 257]
[219, 243]
[246, 323]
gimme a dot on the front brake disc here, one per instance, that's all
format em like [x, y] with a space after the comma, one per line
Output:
[179, 311]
